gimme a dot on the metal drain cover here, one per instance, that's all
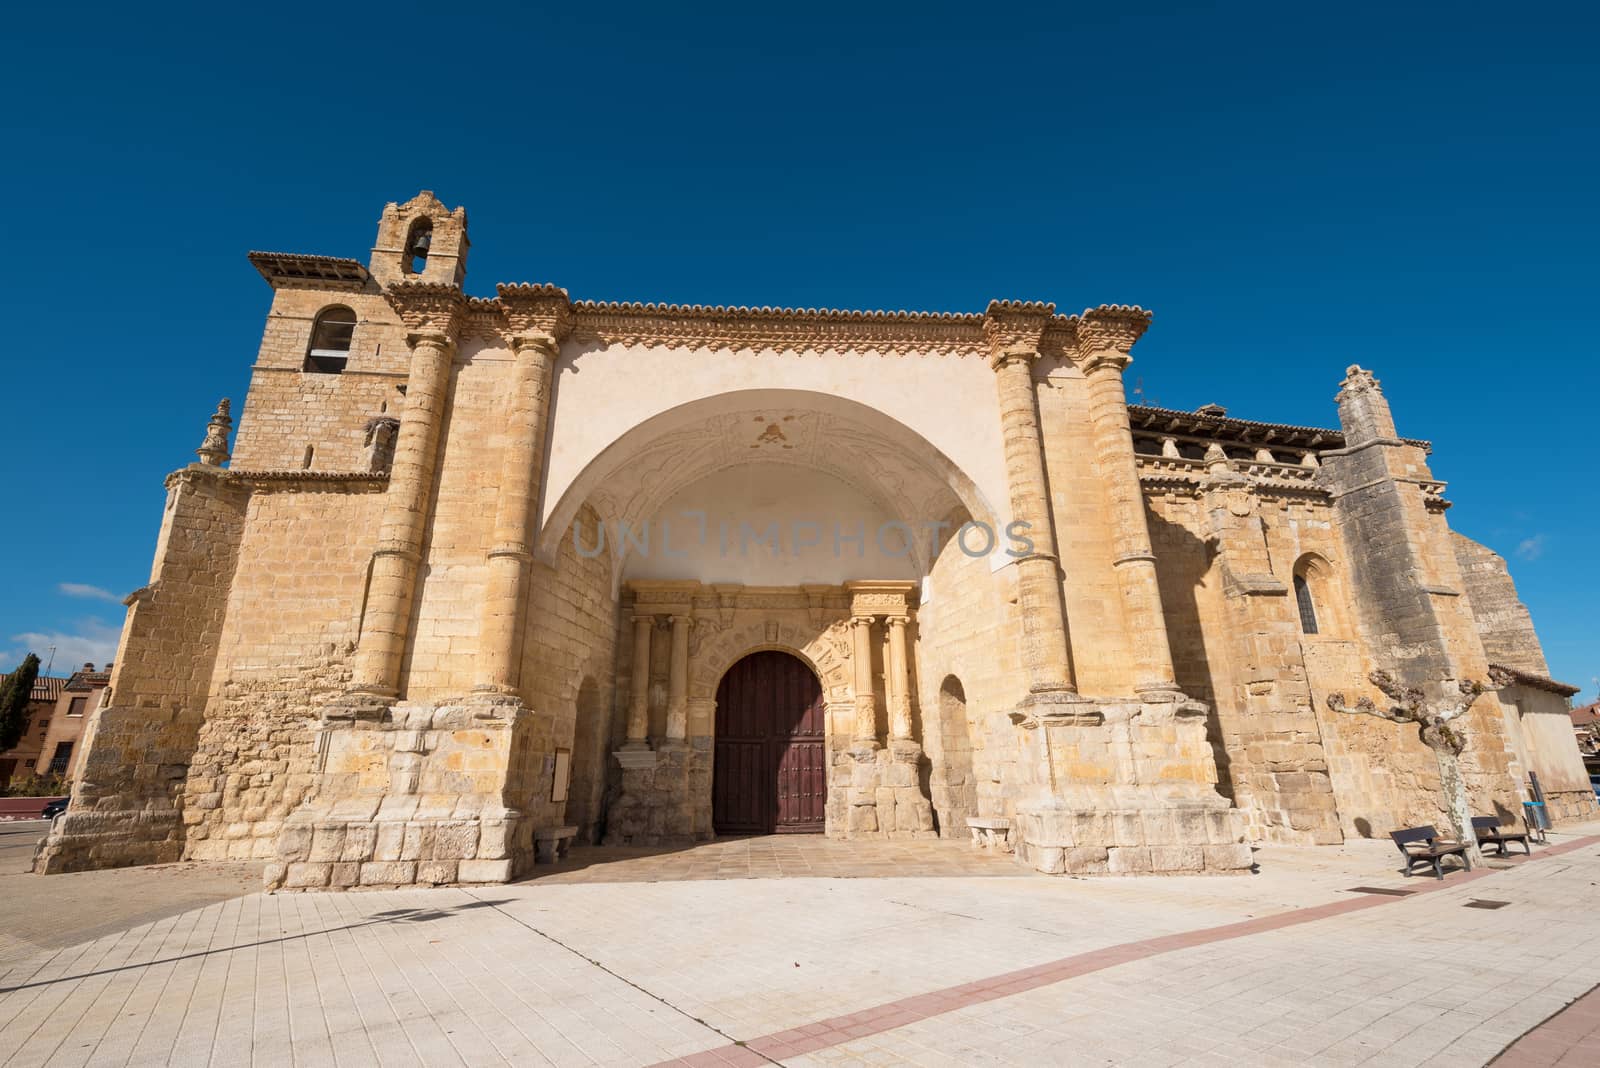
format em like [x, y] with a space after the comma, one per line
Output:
[1386, 891]
[1476, 904]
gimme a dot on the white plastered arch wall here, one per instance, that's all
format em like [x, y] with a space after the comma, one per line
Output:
[625, 447]
[609, 400]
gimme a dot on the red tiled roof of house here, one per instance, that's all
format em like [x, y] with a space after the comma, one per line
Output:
[1586, 716]
[45, 687]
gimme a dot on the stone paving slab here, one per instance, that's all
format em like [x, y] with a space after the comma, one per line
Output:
[38, 913]
[626, 973]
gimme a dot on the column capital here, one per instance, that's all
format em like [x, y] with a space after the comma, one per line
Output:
[898, 620]
[863, 620]
[536, 310]
[439, 339]
[1103, 361]
[428, 308]
[644, 617]
[536, 344]
[680, 617]
[998, 361]
[1013, 329]
[1108, 333]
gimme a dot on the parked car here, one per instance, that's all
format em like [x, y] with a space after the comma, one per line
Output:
[1594, 781]
[57, 807]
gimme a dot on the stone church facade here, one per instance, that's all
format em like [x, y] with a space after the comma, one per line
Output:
[478, 570]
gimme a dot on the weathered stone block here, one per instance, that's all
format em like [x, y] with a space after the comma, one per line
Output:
[436, 872]
[359, 842]
[1177, 858]
[483, 871]
[863, 819]
[1128, 860]
[455, 841]
[1086, 860]
[345, 873]
[327, 843]
[898, 774]
[493, 838]
[1236, 857]
[390, 841]
[388, 873]
[1052, 860]
[302, 875]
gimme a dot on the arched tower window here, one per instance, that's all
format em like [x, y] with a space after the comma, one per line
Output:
[1308, 608]
[330, 340]
[418, 242]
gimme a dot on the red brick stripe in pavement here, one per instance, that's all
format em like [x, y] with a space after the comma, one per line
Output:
[808, 1038]
[1570, 1037]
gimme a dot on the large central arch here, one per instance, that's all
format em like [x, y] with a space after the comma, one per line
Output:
[885, 460]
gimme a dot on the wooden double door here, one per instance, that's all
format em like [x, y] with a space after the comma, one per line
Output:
[770, 771]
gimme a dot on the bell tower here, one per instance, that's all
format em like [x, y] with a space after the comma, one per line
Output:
[421, 241]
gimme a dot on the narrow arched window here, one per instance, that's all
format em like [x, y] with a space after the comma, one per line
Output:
[418, 242]
[330, 340]
[1308, 608]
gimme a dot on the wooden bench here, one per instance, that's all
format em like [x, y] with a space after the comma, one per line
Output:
[1422, 845]
[1487, 828]
[549, 843]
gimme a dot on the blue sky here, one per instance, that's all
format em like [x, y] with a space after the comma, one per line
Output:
[1408, 187]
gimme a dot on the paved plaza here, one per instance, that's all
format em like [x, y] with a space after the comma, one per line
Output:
[805, 951]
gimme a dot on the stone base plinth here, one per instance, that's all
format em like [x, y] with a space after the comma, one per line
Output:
[659, 799]
[417, 795]
[877, 793]
[1122, 786]
[390, 850]
[1133, 841]
[87, 839]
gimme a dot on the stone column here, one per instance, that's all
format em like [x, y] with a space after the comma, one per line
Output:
[1014, 332]
[1105, 337]
[511, 553]
[898, 678]
[430, 310]
[639, 708]
[866, 700]
[678, 682]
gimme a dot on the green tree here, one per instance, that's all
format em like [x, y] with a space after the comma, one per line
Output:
[14, 697]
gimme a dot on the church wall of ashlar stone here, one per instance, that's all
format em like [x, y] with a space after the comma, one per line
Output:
[373, 653]
[968, 631]
[291, 623]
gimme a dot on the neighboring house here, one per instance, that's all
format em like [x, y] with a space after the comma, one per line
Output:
[1586, 725]
[74, 708]
[23, 758]
[1539, 733]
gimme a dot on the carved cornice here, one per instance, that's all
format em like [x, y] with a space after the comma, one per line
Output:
[292, 481]
[428, 307]
[1181, 475]
[289, 269]
[1107, 334]
[679, 326]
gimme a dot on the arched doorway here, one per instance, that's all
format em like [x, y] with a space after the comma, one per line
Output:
[769, 774]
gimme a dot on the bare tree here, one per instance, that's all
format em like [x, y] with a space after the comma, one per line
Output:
[1433, 722]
